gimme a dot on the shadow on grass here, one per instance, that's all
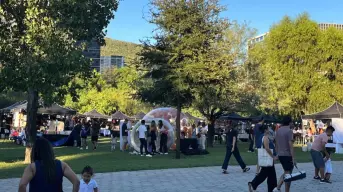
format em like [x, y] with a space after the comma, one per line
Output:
[103, 160]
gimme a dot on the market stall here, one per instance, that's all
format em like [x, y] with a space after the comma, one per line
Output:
[335, 114]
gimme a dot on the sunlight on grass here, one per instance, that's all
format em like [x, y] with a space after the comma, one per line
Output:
[77, 156]
[5, 165]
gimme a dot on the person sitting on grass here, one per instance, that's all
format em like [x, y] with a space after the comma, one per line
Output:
[87, 183]
[318, 147]
[45, 173]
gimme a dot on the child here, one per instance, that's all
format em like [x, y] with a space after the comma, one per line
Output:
[328, 165]
[87, 184]
[83, 135]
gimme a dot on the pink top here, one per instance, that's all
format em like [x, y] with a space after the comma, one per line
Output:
[319, 142]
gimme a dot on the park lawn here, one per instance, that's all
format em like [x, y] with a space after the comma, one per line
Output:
[103, 160]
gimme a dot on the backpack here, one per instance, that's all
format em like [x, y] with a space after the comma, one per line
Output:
[83, 132]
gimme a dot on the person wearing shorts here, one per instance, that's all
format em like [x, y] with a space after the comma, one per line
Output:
[285, 151]
[124, 133]
[318, 147]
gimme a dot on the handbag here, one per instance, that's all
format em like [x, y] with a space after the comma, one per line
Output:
[295, 176]
[264, 159]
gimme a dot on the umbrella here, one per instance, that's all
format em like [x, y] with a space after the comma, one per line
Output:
[54, 109]
[139, 115]
[191, 117]
[119, 115]
[95, 114]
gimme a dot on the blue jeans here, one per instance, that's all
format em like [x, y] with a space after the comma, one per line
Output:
[236, 155]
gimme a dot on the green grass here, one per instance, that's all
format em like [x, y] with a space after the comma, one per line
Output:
[102, 160]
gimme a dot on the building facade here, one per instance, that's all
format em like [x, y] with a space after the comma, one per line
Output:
[108, 62]
[322, 26]
[93, 52]
[325, 26]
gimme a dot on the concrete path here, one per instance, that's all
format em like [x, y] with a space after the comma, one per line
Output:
[202, 179]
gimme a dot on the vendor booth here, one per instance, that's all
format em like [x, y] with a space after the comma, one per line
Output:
[139, 116]
[53, 129]
[333, 113]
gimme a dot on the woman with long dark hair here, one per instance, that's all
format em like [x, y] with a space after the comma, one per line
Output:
[45, 173]
[164, 138]
[153, 136]
[265, 172]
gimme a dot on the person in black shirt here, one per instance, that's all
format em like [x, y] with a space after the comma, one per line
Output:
[124, 133]
[232, 148]
[251, 139]
[115, 134]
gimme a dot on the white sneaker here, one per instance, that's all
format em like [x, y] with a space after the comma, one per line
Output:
[81, 149]
[87, 147]
[148, 155]
[276, 190]
[166, 153]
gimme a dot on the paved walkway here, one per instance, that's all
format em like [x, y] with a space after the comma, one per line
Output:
[202, 179]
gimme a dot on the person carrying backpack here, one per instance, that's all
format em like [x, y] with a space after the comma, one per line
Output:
[83, 135]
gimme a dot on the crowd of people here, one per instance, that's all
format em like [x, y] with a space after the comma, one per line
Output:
[46, 173]
[278, 146]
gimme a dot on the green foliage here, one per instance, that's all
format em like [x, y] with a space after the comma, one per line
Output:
[223, 92]
[38, 42]
[106, 97]
[10, 97]
[121, 48]
[181, 56]
[40, 49]
[298, 67]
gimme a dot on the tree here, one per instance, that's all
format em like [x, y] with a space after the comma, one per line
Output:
[106, 93]
[183, 53]
[298, 67]
[39, 53]
[223, 92]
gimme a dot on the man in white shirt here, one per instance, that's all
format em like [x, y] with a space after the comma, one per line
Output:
[142, 137]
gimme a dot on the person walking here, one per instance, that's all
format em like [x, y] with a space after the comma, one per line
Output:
[258, 138]
[285, 150]
[76, 133]
[95, 130]
[266, 172]
[115, 134]
[45, 173]
[232, 148]
[251, 139]
[318, 147]
[83, 135]
[164, 138]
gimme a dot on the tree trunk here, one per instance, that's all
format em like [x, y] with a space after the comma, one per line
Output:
[210, 138]
[178, 128]
[31, 122]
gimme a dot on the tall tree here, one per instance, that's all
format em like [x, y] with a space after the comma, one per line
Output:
[296, 64]
[183, 53]
[39, 53]
[222, 88]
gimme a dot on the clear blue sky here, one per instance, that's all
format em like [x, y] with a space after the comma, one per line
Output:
[129, 25]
